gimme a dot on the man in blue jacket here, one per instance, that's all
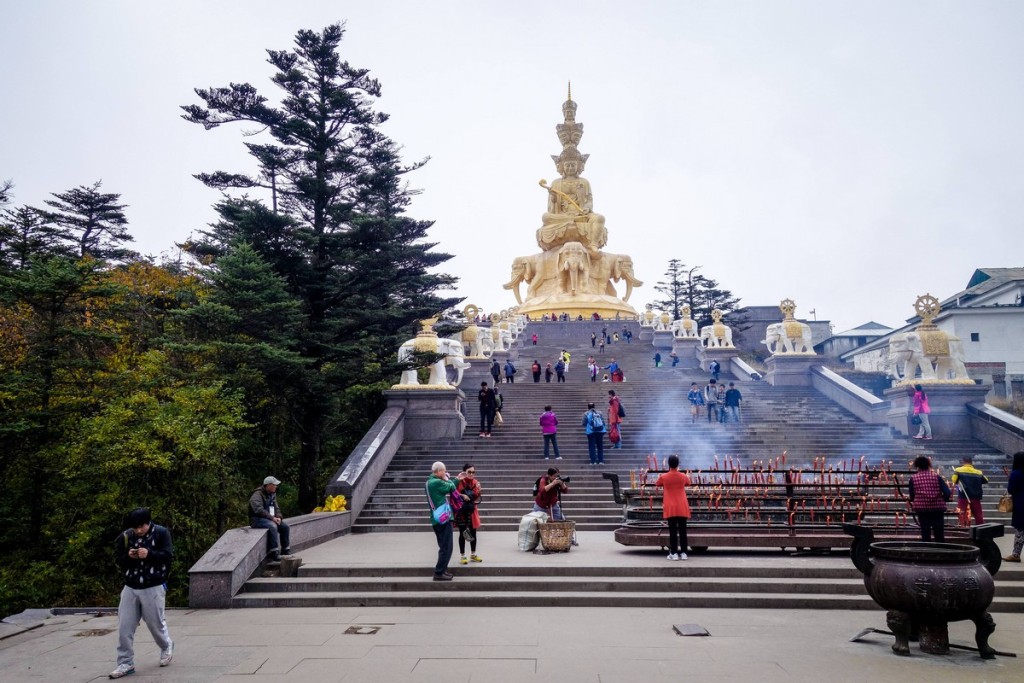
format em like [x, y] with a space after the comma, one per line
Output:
[143, 552]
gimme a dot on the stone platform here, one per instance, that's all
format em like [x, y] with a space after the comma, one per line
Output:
[514, 644]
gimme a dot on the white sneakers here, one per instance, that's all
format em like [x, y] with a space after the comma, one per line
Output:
[673, 556]
[122, 670]
[167, 655]
[680, 556]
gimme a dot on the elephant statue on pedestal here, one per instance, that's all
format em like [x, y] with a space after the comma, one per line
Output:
[453, 356]
[476, 341]
[937, 355]
[500, 339]
[788, 336]
[716, 335]
[685, 327]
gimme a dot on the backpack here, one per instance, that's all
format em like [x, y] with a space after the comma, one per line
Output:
[622, 411]
[498, 401]
[536, 486]
[596, 421]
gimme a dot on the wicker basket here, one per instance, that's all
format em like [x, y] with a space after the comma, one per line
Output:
[557, 536]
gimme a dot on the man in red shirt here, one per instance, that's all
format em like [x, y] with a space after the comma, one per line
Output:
[550, 488]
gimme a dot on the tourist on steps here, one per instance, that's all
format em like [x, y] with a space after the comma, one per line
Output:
[696, 399]
[1015, 487]
[560, 370]
[928, 496]
[711, 401]
[970, 483]
[675, 507]
[593, 425]
[615, 415]
[921, 412]
[549, 430]
[488, 404]
[496, 371]
[733, 398]
[535, 369]
[468, 517]
[548, 373]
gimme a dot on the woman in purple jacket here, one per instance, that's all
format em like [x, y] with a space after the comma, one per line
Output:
[549, 428]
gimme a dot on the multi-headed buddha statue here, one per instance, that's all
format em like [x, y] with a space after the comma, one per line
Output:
[571, 274]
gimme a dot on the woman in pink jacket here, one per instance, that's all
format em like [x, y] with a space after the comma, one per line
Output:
[922, 410]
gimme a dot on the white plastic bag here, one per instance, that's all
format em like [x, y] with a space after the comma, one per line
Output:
[529, 530]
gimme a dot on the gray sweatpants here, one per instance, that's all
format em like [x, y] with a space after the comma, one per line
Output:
[140, 603]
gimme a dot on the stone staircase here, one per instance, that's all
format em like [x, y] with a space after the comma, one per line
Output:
[797, 421]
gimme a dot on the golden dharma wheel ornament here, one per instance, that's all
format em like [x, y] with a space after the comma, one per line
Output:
[495, 318]
[927, 306]
[470, 311]
[716, 315]
[788, 308]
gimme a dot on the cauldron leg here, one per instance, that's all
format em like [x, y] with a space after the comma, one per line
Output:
[935, 637]
[899, 624]
[984, 626]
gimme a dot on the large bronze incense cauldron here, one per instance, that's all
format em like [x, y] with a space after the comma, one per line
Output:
[924, 586]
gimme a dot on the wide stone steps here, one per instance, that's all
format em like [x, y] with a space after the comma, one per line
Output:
[677, 585]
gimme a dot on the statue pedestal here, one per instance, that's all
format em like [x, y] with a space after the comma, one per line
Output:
[687, 348]
[706, 354]
[662, 340]
[646, 333]
[791, 370]
[429, 414]
[949, 417]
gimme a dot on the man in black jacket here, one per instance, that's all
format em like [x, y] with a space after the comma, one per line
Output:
[144, 553]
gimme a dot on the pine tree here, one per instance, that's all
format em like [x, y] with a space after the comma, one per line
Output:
[335, 230]
[686, 287]
[25, 232]
[93, 221]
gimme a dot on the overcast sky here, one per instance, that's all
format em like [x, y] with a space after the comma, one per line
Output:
[847, 155]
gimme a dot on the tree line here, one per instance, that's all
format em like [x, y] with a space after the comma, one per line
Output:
[179, 385]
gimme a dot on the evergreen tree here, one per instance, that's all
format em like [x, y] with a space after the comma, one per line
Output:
[686, 287]
[25, 232]
[359, 266]
[92, 221]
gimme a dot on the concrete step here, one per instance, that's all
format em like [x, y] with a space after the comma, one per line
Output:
[449, 594]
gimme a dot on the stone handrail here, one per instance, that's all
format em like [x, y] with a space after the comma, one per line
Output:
[741, 369]
[367, 462]
[996, 427]
[865, 405]
[227, 565]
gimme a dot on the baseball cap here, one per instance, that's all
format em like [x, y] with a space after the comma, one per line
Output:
[271, 480]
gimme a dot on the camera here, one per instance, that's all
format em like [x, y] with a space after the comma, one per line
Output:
[564, 480]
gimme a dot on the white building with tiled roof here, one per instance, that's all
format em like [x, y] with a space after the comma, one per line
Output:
[987, 316]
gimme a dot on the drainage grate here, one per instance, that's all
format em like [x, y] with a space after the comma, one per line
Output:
[362, 630]
[94, 632]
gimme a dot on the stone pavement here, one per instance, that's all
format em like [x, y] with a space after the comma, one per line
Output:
[322, 645]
